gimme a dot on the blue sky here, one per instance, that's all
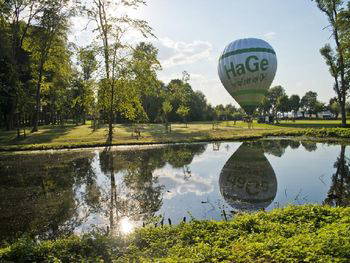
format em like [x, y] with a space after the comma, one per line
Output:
[192, 33]
[204, 27]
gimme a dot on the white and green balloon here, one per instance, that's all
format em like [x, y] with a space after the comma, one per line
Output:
[247, 68]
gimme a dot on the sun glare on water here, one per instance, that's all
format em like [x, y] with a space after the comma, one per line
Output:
[126, 226]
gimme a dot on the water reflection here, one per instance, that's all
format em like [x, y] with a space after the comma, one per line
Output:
[36, 199]
[339, 192]
[248, 181]
[48, 195]
[138, 195]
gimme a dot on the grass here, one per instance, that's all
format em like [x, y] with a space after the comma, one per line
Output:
[292, 234]
[72, 136]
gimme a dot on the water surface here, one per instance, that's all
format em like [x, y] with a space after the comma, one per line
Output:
[56, 193]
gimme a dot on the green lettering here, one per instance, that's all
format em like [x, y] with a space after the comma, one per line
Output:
[256, 64]
[240, 69]
[232, 70]
[264, 64]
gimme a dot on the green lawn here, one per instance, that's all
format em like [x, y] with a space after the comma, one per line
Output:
[50, 137]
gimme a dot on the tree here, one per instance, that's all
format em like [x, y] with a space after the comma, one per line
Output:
[320, 106]
[144, 66]
[336, 59]
[339, 192]
[87, 61]
[273, 94]
[52, 25]
[199, 107]
[166, 109]
[294, 102]
[282, 104]
[309, 102]
[334, 107]
[17, 17]
[265, 106]
[88, 64]
[183, 111]
[112, 25]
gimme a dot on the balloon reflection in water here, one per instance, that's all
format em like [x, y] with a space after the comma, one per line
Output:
[248, 181]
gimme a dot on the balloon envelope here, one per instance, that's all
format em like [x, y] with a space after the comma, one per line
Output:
[247, 68]
[247, 181]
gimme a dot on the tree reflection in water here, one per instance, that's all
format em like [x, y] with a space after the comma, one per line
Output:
[339, 192]
[139, 196]
[38, 194]
[51, 195]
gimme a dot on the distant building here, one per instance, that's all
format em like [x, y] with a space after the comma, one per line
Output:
[326, 115]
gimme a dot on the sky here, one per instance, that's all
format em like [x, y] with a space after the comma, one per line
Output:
[191, 34]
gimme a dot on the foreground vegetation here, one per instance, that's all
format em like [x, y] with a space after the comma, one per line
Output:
[72, 136]
[293, 234]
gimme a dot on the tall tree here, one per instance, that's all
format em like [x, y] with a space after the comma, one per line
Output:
[183, 111]
[273, 94]
[88, 64]
[144, 66]
[283, 104]
[294, 102]
[52, 25]
[112, 24]
[17, 17]
[166, 109]
[309, 102]
[264, 106]
[334, 107]
[336, 59]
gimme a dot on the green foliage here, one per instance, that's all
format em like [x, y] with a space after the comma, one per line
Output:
[96, 248]
[283, 104]
[309, 102]
[265, 106]
[292, 234]
[294, 102]
[183, 111]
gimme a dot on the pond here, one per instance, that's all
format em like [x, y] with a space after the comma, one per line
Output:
[55, 193]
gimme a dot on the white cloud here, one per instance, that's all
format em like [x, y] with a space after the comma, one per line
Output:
[270, 35]
[174, 53]
[212, 89]
[175, 184]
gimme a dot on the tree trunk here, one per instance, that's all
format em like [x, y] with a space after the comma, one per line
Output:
[84, 118]
[343, 113]
[111, 117]
[37, 107]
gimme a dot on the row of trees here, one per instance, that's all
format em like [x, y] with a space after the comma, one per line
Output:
[277, 101]
[44, 79]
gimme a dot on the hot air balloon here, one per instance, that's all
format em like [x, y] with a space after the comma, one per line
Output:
[247, 181]
[247, 68]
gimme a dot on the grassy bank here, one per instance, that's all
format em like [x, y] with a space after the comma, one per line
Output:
[293, 234]
[73, 136]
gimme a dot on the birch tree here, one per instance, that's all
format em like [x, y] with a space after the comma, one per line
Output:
[112, 25]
